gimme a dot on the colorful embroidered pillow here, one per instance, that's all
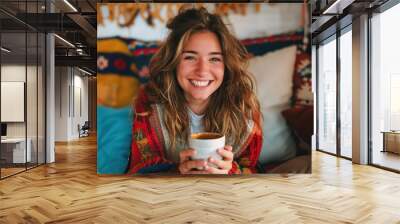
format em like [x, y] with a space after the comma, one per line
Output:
[302, 87]
[263, 45]
[122, 66]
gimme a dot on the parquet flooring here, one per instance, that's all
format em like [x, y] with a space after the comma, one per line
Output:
[9, 171]
[70, 191]
[387, 159]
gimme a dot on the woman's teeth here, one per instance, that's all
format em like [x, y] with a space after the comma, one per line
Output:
[199, 83]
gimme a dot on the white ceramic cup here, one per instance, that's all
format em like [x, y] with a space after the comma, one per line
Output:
[206, 145]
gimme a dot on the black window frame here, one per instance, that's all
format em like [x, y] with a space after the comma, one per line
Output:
[333, 33]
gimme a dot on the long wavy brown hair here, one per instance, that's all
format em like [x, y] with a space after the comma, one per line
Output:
[230, 107]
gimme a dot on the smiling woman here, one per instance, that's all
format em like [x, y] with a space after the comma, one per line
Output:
[200, 70]
[198, 83]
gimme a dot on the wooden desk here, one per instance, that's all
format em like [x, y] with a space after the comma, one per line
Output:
[391, 141]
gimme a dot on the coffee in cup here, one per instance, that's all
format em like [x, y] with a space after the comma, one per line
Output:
[206, 145]
[206, 135]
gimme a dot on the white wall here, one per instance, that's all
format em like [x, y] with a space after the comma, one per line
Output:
[12, 73]
[70, 83]
[61, 103]
[79, 117]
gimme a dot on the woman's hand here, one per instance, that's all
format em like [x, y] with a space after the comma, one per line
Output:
[223, 165]
[186, 165]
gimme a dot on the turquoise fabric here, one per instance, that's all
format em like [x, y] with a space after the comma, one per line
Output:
[114, 138]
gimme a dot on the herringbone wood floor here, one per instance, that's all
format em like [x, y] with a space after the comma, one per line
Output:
[70, 191]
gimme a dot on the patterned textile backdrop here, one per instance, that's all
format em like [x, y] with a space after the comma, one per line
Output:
[122, 66]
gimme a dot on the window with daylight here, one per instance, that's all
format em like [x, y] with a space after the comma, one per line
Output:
[385, 88]
[327, 96]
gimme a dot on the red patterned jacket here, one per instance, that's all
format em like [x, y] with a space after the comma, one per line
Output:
[148, 149]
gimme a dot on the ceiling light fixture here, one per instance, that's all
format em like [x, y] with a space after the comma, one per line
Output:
[5, 49]
[337, 7]
[64, 40]
[70, 5]
[84, 71]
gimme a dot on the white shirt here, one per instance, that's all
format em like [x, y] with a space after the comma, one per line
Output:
[196, 122]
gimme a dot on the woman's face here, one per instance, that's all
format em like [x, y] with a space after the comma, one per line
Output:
[200, 70]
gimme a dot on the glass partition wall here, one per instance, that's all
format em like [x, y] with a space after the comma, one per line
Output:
[22, 87]
[334, 94]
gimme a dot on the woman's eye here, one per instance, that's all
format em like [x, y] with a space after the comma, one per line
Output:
[215, 59]
[190, 58]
